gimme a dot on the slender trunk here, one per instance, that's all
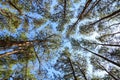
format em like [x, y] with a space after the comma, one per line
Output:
[84, 9]
[112, 25]
[101, 57]
[10, 53]
[13, 5]
[72, 27]
[79, 17]
[115, 16]
[107, 71]
[115, 24]
[108, 16]
[83, 73]
[106, 6]
[37, 58]
[26, 66]
[92, 7]
[64, 9]
[113, 45]
[73, 72]
[112, 34]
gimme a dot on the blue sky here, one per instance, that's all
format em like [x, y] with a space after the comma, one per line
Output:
[65, 42]
[31, 34]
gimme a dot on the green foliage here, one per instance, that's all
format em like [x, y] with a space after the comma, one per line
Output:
[76, 1]
[23, 36]
[103, 50]
[35, 27]
[87, 29]
[39, 22]
[12, 20]
[95, 78]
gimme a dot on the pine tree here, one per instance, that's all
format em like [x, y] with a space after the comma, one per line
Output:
[56, 39]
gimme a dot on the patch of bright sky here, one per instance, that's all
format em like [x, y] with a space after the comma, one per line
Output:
[54, 2]
[4, 51]
[51, 71]
[33, 15]
[31, 34]
[4, 32]
[99, 73]
[89, 68]
[76, 6]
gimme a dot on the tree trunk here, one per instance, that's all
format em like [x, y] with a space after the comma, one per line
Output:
[73, 72]
[107, 71]
[92, 7]
[83, 73]
[101, 57]
[65, 9]
[79, 17]
[113, 45]
[108, 16]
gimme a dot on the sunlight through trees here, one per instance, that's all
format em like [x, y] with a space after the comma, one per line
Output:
[59, 39]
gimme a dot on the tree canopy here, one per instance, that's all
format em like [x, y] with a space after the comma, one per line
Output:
[59, 39]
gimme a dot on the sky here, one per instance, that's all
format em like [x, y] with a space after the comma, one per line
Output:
[48, 64]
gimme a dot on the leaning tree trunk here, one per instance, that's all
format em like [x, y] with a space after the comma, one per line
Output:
[73, 71]
[83, 73]
[102, 57]
[107, 71]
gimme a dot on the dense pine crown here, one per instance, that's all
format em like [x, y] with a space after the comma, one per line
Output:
[60, 39]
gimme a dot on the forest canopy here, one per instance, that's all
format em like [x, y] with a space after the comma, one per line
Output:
[59, 39]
